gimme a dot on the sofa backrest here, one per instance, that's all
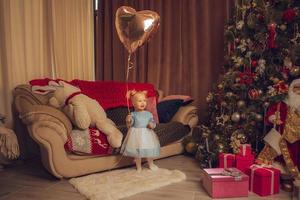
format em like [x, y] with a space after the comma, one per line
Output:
[24, 100]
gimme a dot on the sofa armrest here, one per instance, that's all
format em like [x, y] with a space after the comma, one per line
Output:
[186, 115]
[49, 117]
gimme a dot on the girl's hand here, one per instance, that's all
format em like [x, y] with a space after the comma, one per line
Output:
[151, 126]
[129, 120]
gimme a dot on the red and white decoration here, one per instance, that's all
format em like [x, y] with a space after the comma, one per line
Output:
[90, 141]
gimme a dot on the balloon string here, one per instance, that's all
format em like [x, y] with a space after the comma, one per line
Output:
[129, 67]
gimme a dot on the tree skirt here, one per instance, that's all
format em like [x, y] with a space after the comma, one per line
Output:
[123, 183]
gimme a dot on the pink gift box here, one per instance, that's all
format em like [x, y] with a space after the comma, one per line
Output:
[245, 149]
[226, 160]
[218, 185]
[243, 163]
[264, 180]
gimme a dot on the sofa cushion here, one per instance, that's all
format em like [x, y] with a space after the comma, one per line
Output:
[170, 132]
[118, 115]
[167, 109]
[185, 98]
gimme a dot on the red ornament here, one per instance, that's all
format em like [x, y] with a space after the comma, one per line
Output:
[289, 15]
[281, 87]
[246, 77]
[260, 17]
[254, 63]
[253, 94]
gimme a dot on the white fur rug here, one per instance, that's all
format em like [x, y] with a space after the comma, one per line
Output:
[123, 183]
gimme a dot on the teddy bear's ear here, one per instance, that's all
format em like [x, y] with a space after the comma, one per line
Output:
[133, 92]
[61, 83]
[53, 83]
[43, 90]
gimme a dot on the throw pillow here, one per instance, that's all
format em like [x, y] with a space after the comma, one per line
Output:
[167, 109]
[152, 107]
[90, 142]
[186, 99]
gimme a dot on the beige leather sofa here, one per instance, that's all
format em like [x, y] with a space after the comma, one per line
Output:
[49, 128]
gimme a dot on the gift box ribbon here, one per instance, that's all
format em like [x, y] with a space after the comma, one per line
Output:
[244, 148]
[225, 158]
[255, 167]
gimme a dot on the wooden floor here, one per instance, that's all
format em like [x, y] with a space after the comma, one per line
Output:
[31, 181]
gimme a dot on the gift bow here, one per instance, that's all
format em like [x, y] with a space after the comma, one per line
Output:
[229, 172]
[233, 173]
[255, 167]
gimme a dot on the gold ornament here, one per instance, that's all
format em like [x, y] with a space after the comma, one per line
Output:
[275, 80]
[235, 117]
[209, 97]
[220, 147]
[282, 27]
[242, 137]
[258, 117]
[222, 119]
[241, 104]
[237, 138]
[229, 94]
[191, 147]
[220, 86]
[217, 137]
[295, 71]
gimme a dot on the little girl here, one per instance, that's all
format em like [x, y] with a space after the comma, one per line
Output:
[141, 141]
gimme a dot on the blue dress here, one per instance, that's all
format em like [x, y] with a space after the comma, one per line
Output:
[141, 142]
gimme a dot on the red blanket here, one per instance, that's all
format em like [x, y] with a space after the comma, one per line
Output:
[109, 94]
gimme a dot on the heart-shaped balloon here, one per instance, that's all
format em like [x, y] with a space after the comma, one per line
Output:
[135, 28]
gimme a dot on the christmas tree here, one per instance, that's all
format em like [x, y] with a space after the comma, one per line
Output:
[262, 58]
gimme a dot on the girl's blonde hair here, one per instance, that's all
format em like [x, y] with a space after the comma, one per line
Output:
[132, 93]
